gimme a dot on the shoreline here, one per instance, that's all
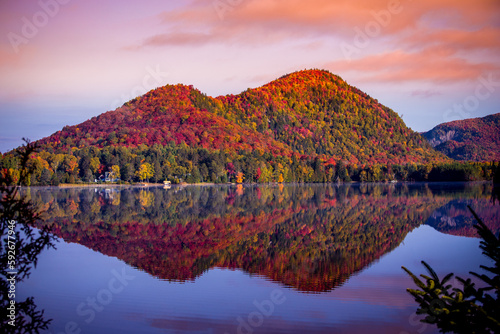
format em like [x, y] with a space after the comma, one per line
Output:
[108, 185]
[155, 185]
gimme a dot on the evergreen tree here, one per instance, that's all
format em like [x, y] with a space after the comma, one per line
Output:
[467, 309]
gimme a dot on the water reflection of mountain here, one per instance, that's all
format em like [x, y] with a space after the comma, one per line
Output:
[455, 218]
[311, 238]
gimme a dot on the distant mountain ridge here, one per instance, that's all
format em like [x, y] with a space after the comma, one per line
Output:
[310, 113]
[475, 139]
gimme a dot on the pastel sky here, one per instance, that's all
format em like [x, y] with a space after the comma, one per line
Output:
[65, 61]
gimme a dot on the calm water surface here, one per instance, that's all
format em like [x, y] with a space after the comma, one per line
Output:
[256, 259]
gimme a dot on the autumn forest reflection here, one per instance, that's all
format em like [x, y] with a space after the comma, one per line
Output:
[310, 238]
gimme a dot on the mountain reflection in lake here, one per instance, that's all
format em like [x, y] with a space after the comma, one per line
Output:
[302, 258]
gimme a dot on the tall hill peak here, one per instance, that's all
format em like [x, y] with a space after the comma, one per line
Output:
[310, 113]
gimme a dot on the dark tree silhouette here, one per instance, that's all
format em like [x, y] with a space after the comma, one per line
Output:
[495, 195]
[20, 247]
[467, 309]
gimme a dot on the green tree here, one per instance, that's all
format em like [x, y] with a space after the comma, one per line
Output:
[462, 310]
[127, 172]
[204, 173]
[158, 172]
[88, 177]
[45, 177]
[84, 165]
[342, 174]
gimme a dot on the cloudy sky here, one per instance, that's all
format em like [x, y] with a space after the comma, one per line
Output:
[65, 61]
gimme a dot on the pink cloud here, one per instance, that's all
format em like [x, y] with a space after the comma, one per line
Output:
[456, 40]
[422, 40]
[320, 17]
[181, 38]
[434, 64]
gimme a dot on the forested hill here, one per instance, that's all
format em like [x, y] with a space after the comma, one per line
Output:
[307, 126]
[475, 139]
[308, 113]
[316, 112]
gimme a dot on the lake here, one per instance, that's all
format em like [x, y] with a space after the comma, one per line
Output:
[250, 259]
